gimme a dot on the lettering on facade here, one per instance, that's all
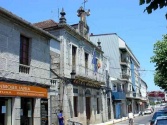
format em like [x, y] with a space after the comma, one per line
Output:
[11, 89]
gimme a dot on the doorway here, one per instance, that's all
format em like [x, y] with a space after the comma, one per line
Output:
[27, 106]
[2, 114]
[88, 114]
[109, 108]
[5, 111]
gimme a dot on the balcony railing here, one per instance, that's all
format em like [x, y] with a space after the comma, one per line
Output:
[89, 73]
[24, 68]
[125, 76]
[124, 61]
[129, 94]
[53, 83]
[118, 95]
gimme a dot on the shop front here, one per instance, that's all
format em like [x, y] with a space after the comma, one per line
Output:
[22, 104]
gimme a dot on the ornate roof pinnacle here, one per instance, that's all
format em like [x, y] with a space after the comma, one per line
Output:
[62, 18]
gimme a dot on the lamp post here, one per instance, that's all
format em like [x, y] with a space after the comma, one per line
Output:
[73, 74]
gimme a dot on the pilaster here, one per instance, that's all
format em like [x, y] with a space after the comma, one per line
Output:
[17, 111]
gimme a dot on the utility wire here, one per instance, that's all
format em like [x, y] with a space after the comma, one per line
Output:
[134, 69]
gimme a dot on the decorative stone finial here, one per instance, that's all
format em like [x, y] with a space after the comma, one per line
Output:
[62, 18]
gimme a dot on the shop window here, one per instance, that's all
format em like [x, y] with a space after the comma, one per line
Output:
[75, 106]
[44, 111]
[5, 111]
[24, 54]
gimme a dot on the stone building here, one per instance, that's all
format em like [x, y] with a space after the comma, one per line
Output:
[82, 70]
[24, 72]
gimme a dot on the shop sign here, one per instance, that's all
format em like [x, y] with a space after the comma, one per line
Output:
[11, 89]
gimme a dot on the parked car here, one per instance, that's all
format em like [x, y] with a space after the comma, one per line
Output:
[157, 114]
[147, 111]
[161, 120]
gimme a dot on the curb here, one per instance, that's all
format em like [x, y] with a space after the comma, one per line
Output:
[115, 121]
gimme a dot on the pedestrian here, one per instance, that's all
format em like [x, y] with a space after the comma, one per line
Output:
[61, 118]
[131, 117]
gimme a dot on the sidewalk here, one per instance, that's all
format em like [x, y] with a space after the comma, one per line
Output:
[114, 121]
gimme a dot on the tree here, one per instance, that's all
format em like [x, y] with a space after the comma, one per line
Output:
[160, 60]
[153, 5]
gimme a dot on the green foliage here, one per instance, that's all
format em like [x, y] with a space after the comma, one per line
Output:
[160, 60]
[153, 5]
[152, 103]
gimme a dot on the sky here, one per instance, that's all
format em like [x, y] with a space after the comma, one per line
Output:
[138, 29]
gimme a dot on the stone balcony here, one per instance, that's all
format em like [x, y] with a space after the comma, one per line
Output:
[88, 73]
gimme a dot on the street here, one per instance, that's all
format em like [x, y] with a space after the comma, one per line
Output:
[139, 120]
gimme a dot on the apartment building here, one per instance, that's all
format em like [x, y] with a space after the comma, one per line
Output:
[24, 72]
[82, 70]
[123, 71]
[110, 46]
[144, 98]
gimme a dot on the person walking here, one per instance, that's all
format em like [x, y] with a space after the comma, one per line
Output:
[61, 118]
[131, 116]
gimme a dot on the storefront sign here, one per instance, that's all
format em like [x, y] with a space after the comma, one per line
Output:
[10, 89]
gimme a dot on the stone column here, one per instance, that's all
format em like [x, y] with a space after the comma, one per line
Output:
[16, 111]
[37, 116]
[8, 114]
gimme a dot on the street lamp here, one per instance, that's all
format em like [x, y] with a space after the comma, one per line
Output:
[73, 74]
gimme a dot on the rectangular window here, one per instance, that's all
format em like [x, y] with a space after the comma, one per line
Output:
[74, 50]
[130, 87]
[86, 60]
[24, 50]
[75, 106]
[24, 54]
[98, 107]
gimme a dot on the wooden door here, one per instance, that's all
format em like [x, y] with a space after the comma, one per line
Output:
[88, 108]
[109, 108]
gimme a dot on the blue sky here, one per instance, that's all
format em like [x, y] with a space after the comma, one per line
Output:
[124, 17]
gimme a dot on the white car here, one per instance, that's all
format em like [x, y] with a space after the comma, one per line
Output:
[161, 120]
[148, 111]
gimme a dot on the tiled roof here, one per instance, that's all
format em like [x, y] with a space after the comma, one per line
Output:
[45, 24]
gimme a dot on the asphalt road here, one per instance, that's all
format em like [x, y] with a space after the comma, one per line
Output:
[139, 120]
